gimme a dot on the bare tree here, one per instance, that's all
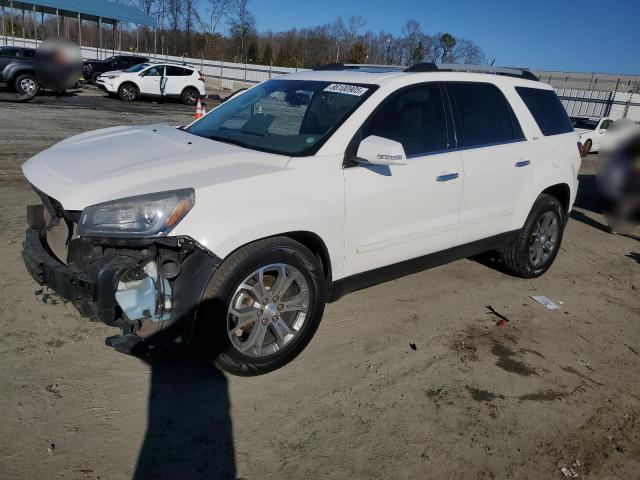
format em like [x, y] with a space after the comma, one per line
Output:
[355, 23]
[467, 52]
[241, 24]
[218, 9]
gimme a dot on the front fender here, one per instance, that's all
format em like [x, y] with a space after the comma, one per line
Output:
[295, 199]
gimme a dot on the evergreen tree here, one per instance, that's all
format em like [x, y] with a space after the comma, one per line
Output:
[267, 55]
[357, 54]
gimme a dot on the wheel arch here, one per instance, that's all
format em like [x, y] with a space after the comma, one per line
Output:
[190, 87]
[128, 82]
[16, 72]
[562, 192]
[309, 239]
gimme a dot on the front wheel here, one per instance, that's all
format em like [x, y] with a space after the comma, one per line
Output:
[128, 92]
[26, 86]
[537, 245]
[262, 306]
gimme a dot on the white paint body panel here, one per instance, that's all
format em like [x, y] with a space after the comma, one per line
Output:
[149, 84]
[367, 218]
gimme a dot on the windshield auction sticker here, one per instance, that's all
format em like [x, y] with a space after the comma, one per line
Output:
[346, 89]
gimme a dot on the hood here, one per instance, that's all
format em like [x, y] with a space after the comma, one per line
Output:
[120, 162]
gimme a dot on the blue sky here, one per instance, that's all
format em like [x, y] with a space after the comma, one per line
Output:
[585, 35]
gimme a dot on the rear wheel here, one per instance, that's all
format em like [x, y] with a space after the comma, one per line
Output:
[190, 96]
[537, 245]
[26, 86]
[262, 306]
[128, 92]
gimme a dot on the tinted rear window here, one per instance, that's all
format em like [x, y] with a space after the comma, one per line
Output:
[547, 110]
[483, 115]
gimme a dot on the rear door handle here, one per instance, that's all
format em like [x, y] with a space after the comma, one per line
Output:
[446, 177]
[522, 163]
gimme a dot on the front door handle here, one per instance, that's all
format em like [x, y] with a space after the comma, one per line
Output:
[522, 163]
[445, 177]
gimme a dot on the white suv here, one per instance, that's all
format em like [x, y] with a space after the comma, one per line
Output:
[155, 80]
[236, 230]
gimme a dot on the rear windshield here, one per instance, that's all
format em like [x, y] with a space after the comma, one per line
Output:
[288, 117]
[547, 110]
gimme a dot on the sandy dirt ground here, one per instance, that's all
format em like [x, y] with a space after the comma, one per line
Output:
[411, 379]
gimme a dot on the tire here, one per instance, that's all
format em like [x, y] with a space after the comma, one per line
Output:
[27, 86]
[128, 92]
[586, 148]
[94, 77]
[529, 256]
[190, 96]
[221, 343]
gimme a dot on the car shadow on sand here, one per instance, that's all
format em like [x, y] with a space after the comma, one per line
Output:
[189, 430]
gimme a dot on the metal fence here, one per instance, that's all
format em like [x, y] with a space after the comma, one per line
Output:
[227, 72]
[593, 103]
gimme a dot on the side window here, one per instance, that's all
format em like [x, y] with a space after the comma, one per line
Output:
[415, 117]
[483, 115]
[547, 110]
[606, 124]
[9, 52]
[174, 71]
[30, 53]
[154, 71]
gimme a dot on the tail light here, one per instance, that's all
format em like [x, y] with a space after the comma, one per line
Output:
[581, 150]
[201, 77]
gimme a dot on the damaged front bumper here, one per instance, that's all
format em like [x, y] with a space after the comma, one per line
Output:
[151, 288]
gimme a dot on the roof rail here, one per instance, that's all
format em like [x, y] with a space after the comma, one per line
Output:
[456, 67]
[359, 66]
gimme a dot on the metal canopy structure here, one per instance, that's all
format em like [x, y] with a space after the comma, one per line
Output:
[99, 11]
[92, 10]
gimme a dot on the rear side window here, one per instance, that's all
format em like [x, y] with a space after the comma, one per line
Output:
[177, 71]
[415, 117]
[483, 115]
[547, 110]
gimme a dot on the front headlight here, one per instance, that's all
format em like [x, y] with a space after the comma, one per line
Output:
[111, 77]
[149, 215]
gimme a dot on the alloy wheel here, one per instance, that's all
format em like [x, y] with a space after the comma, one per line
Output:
[544, 239]
[28, 85]
[128, 93]
[267, 310]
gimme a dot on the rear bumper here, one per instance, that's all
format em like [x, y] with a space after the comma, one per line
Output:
[97, 269]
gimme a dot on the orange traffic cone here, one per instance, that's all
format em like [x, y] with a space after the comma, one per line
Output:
[198, 110]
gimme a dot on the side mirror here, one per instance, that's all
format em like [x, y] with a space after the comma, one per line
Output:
[602, 130]
[381, 151]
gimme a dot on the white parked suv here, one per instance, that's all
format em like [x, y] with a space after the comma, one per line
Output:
[155, 80]
[233, 232]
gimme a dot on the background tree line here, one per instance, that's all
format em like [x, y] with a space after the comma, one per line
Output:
[195, 28]
[226, 30]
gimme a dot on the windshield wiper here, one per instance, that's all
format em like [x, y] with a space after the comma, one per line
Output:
[228, 140]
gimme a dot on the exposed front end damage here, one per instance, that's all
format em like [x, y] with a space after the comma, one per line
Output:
[151, 288]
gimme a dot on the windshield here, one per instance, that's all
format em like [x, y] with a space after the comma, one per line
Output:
[584, 123]
[289, 117]
[137, 68]
[108, 59]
